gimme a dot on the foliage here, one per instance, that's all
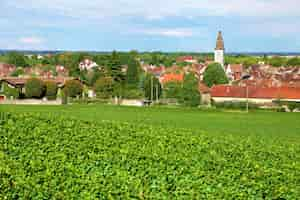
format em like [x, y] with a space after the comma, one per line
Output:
[34, 88]
[190, 95]
[104, 87]
[73, 88]
[115, 68]
[51, 90]
[132, 93]
[239, 105]
[293, 62]
[10, 91]
[277, 61]
[247, 61]
[92, 76]
[19, 71]
[152, 87]
[16, 59]
[111, 160]
[172, 90]
[214, 75]
[132, 75]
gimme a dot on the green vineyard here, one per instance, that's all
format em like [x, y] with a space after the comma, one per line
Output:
[51, 157]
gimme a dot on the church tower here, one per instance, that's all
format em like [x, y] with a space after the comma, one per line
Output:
[219, 50]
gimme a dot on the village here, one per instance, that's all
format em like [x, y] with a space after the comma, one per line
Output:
[152, 99]
[259, 83]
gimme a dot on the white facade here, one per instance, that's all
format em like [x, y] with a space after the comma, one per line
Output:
[219, 57]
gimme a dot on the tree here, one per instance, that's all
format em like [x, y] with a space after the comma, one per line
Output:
[51, 90]
[172, 90]
[293, 62]
[277, 61]
[72, 88]
[16, 59]
[152, 87]
[214, 75]
[190, 95]
[132, 76]
[34, 88]
[115, 68]
[104, 87]
[19, 71]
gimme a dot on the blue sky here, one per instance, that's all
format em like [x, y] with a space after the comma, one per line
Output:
[169, 25]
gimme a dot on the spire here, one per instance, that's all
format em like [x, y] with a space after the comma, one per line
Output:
[220, 42]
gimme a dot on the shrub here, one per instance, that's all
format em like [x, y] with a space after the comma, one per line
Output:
[237, 105]
[51, 90]
[73, 88]
[104, 87]
[132, 93]
[34, 88]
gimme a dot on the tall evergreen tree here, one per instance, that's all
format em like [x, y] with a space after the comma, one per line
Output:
[152, 87]
[132, 76]
[115, 68]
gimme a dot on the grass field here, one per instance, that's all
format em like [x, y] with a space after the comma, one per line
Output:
[286, 125]
[110, 152]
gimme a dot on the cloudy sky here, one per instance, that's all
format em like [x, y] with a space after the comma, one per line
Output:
[168, 25]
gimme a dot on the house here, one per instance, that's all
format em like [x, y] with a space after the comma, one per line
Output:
[156, 71]
[187, 59]
[19, 83]
[6, 69]
[205, 93]
[258, 95]
[87, 64]
[234, 71]
[61, 71]
[172, 77]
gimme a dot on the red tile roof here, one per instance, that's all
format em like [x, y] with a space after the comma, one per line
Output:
[184, 58]
[6, 69]
[256, 92]
[172, 77]
[22, 81]
[235, 68]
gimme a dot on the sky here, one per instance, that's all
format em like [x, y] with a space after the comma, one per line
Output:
[156, 25]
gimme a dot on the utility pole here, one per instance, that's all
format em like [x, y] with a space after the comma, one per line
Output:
[156, 93]
[151, 97]
[247, 101]
[246, 77]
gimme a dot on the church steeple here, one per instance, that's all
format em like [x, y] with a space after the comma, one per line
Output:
[219, 50]
[220, 42]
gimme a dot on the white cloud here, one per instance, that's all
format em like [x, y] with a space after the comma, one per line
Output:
[31, 40]
[169, 32]
[100, 9]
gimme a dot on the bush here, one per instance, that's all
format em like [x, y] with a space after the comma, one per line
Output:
[51, 90]
[34, 88]
[236, 105]
[132, 93]
[293, 105]
[73, 88]
[104, 87]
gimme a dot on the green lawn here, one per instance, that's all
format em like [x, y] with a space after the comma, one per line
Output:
[269, 124]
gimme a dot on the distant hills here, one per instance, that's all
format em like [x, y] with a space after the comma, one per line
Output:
[2, 51]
